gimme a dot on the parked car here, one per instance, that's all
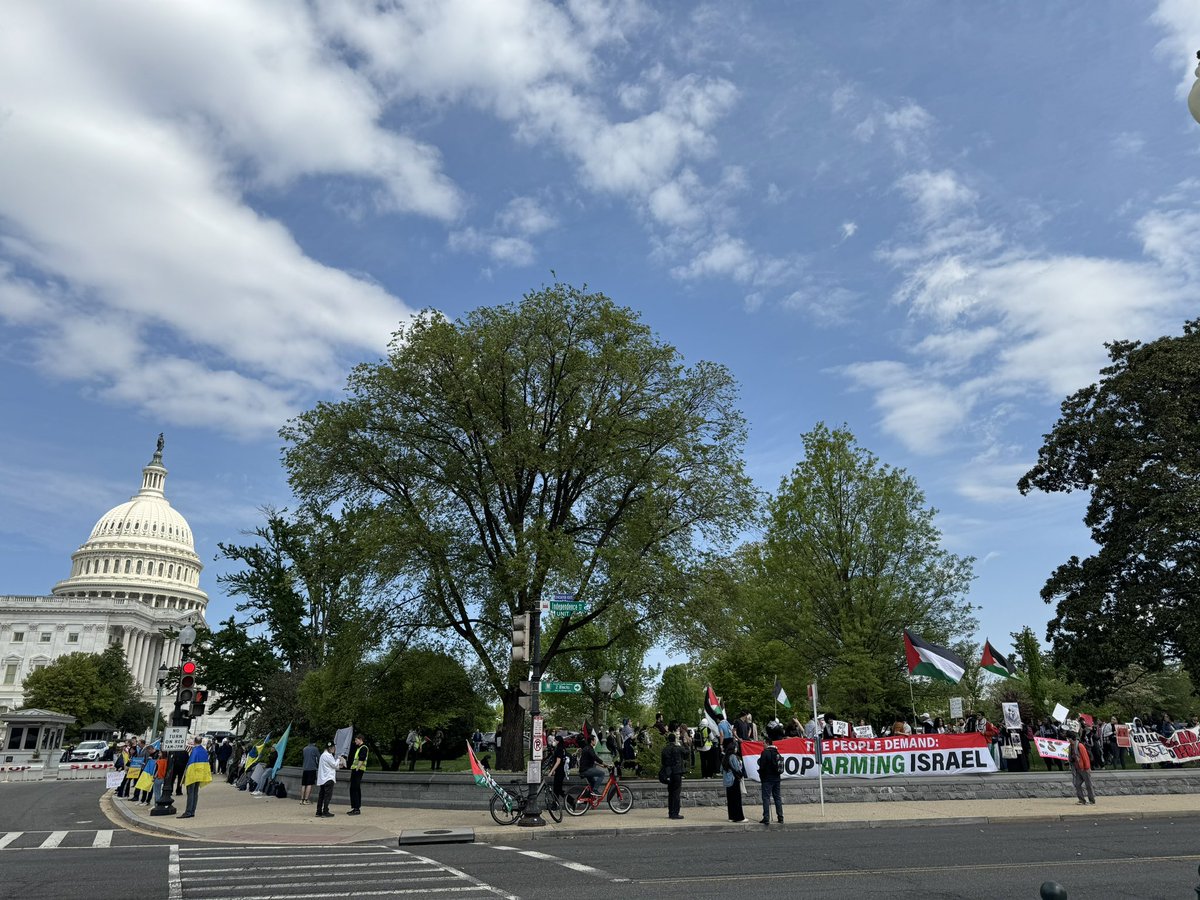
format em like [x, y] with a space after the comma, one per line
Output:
[491, 741]
[89, 751]
[218, 736]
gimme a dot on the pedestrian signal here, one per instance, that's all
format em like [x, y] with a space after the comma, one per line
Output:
[521, 649]
[199, 698]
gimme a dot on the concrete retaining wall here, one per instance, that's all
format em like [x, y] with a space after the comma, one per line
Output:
[458, 791]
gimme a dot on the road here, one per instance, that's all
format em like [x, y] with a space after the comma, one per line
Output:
[56, 844]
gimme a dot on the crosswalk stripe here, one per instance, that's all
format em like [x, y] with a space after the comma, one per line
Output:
[102, 839]
[9, 838]
[374, 865]
[56, 838]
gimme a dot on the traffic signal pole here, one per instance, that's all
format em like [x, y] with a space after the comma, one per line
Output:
[533, 776]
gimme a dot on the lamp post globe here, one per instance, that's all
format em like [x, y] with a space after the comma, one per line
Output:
[187, 635]
[607, 684]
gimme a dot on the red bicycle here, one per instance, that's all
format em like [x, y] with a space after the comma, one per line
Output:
[619, 797]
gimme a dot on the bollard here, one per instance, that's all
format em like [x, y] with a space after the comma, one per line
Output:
[1052, 890]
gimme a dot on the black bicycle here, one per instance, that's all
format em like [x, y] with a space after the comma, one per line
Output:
[506, 809]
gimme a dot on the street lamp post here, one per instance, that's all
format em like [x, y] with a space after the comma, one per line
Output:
[162, 681]
[607, 683]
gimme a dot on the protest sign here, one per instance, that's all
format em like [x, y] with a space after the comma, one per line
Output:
[1048, 748]
[1123, 739]
[1060, 713]
[840, 728]
[1185, 742]
[112, 780]
[905, 755]
[1012, 716]
[864, 731]
[956, 707]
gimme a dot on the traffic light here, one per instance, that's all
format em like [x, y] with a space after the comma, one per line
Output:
[521, 637]
[187, 683]
[199, 698]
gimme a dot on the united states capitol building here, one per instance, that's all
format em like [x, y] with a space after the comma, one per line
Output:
[136, 577]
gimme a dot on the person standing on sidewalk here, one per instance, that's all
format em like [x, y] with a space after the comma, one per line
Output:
[358, 767]
[770, 775]
[435, 751]
[326, 778]
[672, 775]
[1081, 769]
[733, 771]
[308, 775]
[198, 773]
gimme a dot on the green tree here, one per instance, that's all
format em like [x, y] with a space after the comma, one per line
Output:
[385, 697]
[851, 557]
[679, 695]
[1029, 658]
[91, 687]
[1132, 440]
[548, 445]
[238, 665]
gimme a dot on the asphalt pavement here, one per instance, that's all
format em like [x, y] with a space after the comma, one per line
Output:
[56, 842]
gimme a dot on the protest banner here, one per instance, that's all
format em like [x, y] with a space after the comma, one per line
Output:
[1049, 748]
[1148, 748]
[906, 755]
[1185, 743]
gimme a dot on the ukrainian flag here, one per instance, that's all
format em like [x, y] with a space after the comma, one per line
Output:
[199, 768]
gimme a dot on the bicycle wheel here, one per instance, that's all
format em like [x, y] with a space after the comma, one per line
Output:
[620, 799]
[552, 805]
[502, 812]
[576, 806]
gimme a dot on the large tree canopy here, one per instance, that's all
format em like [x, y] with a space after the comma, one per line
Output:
[91, 687]
[1133, 441]
[851, 557]
[549, 445]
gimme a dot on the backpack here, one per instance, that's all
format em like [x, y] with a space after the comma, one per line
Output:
[768, 764]
[280, 791]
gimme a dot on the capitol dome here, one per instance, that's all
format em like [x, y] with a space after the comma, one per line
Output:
[141, 550]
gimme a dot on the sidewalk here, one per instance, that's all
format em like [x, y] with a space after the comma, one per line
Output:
[232, 816]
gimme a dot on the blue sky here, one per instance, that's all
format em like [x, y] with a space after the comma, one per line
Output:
[920, 219]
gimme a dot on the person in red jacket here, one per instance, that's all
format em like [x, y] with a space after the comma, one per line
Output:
[1081, 769]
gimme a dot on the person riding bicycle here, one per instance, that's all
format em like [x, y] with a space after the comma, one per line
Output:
[590, 766]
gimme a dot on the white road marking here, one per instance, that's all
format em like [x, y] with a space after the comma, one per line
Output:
[565, 863]
[261, 868]
[9, 838]
[461, 874]
[55, 838]
[102, 839]
[174, 884]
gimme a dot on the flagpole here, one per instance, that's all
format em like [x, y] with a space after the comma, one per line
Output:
[820, 760]
[776, 698]
[913, 698]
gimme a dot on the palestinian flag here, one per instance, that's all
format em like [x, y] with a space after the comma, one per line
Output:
[478, 772]
[588, 732]
[713, 711]
[931, 660]
[995, 663]
[618, 691]
[781, 695]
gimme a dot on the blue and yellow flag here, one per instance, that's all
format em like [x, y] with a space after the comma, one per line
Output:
[281, 747]
[199, 768]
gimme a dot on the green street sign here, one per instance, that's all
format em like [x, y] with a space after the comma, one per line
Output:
[568, 606]
[562, 687]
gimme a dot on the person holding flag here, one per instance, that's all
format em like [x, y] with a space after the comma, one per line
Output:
[197, 773]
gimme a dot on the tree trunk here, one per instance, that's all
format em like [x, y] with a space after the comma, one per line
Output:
[511, 755]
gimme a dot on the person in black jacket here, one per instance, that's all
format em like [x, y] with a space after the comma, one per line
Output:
[672, 768]
[770, 775]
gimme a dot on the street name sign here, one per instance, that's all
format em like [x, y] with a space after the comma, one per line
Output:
[562, 687]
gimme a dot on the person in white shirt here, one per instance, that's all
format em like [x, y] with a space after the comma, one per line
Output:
[327, 768]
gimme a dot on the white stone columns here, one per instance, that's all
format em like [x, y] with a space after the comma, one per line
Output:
[135, 657]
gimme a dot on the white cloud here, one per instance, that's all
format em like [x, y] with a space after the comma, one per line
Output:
[1000, 325]
[937, 195]
[507, 241]
[1128, 144]
[1181, 20]
[849, 229]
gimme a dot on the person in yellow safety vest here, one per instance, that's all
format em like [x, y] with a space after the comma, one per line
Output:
[358, 765]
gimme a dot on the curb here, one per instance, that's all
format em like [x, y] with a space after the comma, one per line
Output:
[513, 834]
